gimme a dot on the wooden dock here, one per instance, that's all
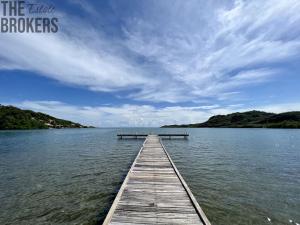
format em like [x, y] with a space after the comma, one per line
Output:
[154, 192]
[169, 136]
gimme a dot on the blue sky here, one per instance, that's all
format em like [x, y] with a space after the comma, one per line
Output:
[150, 63]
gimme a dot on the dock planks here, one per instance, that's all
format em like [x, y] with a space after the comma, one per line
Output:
[154, 192]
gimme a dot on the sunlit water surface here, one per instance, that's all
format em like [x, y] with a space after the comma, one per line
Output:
[71, 176]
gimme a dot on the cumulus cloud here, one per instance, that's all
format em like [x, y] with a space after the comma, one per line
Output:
[119, 116]
[140, 115]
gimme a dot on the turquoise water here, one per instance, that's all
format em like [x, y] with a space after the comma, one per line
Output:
[71, 176]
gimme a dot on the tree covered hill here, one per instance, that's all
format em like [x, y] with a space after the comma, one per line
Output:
[250, 119]
[12, 118]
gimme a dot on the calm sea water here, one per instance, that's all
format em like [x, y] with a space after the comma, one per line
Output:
[239, 176]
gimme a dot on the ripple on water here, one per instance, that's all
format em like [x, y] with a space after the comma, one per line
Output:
[239, 176]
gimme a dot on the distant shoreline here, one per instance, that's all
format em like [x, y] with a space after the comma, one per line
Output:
[37, 129]
[250, 119]
[13, 118]
[267, 128]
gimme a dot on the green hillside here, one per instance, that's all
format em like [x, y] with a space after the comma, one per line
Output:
[12, 118]
[251, 119]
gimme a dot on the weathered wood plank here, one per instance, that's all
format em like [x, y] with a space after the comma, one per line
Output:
[154, 192]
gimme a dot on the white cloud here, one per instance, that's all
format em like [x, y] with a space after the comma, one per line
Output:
[279, 108]
[69, 60]
[85, 6]
[118, 116]
[224, 48]
[141, 115]
[79, 54]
